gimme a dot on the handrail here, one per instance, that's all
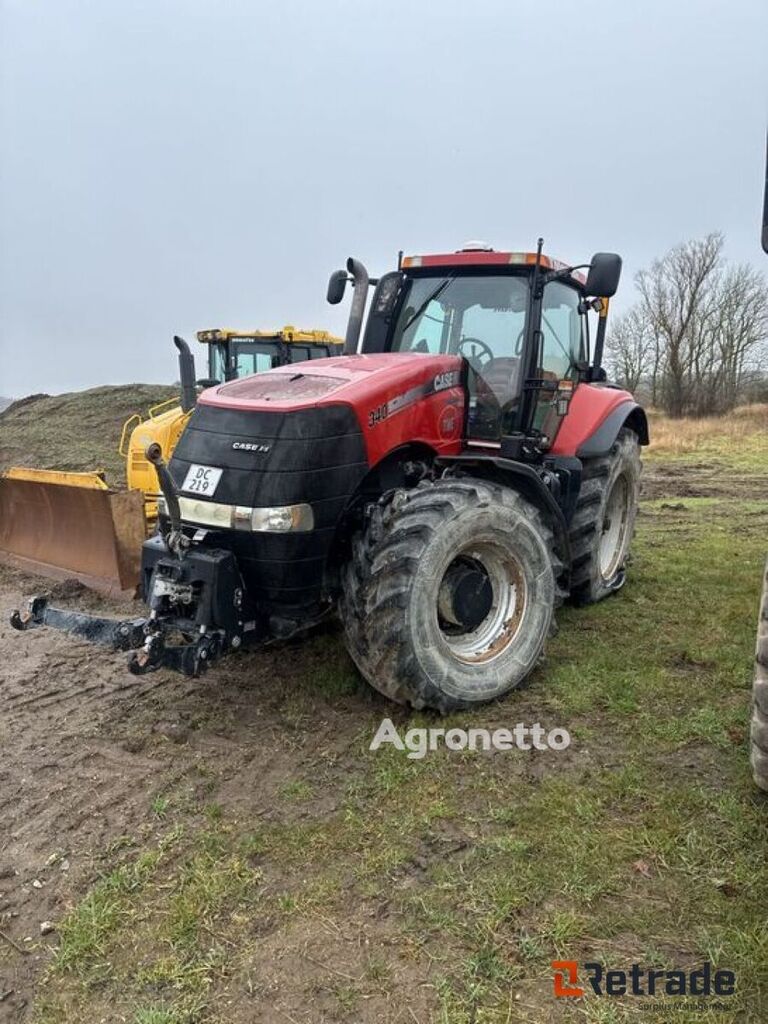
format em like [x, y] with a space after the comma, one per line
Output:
[121, 449]
[161, 405]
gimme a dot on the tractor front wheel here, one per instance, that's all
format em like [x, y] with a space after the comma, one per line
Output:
[449, 594]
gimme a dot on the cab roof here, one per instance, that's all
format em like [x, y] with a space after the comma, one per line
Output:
[484, 257]
[288, 333]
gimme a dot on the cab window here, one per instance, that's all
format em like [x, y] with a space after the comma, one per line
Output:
[561, 350]
[253, 362]
[298, 353]
[427, 332]
[561, 329]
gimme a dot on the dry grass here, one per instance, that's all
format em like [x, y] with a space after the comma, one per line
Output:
[686, 436]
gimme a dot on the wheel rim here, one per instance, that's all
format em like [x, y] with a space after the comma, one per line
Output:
[614, 528]
[481, 602]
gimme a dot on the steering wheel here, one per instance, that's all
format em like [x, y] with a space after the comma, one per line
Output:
[477, 359]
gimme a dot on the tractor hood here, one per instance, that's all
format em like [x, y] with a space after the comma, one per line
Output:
[396, 398]
[309, 434]
[275, 420]
[348, 380]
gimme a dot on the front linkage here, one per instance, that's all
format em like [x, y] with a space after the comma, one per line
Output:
[146, 638]
[195, 596]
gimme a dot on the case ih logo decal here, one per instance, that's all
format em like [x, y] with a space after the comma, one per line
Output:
[640, 981]
[450, 379]
[446, 380]
[450, 421]
[247, 446]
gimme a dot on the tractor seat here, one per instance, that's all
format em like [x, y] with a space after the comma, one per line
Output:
[500, 378]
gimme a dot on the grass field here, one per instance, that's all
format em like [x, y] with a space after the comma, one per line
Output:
[363, 886]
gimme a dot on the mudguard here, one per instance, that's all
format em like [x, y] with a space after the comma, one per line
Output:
[627, 414]
[596, 414]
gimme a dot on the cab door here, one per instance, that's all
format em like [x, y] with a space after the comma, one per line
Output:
[561, 349]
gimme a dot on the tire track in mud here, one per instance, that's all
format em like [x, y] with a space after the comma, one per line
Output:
[85, 748]
[69, 782]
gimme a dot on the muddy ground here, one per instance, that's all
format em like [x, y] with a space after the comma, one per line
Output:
[85, 748]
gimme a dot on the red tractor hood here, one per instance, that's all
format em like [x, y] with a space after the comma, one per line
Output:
[398, 397]
[342, 379]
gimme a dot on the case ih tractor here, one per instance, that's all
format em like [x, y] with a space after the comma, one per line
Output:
[444, 484]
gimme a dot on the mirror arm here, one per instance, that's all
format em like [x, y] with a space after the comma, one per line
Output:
[600, 338]
[560, 275]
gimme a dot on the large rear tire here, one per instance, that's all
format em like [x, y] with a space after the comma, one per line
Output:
[759, 725]
[449, 594]
[604, 522]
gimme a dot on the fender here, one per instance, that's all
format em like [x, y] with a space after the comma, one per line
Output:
[595, 416]
[627, 414]
[528, 482]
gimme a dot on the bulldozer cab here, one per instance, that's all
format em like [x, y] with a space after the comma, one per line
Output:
[233, 354]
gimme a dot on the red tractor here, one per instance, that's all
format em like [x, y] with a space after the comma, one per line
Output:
[444, 484]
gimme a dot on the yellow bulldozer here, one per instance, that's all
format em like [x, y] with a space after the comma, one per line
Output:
[65, 524]
[231, 354]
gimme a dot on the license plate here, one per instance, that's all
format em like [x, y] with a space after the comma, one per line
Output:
[201, 480]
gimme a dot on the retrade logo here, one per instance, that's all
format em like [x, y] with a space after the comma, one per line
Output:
[639, 981]
[566, 976]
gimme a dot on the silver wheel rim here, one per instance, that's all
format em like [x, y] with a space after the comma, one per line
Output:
[502, 623]
[614, 528]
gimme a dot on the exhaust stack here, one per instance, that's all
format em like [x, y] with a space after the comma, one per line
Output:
[186, 374]
[336, 287]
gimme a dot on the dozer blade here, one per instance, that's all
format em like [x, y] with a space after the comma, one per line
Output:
[71, 525]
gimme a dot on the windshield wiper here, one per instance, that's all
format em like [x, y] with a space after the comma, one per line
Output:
[430, 298]
[563, 349]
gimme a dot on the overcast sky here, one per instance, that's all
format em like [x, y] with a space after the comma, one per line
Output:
[168, 165]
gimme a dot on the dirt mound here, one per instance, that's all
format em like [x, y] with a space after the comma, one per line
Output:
[79, 431]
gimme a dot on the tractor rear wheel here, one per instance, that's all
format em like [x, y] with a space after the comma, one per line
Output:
[604, 522]
[449, 594]
[759, 726]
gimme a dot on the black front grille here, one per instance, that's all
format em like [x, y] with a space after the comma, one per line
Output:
[312, 455]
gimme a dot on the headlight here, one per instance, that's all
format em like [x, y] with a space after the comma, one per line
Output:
[214, 514]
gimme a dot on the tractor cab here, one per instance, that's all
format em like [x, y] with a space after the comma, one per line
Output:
[481, 317]
[233, 354]
[518, 321]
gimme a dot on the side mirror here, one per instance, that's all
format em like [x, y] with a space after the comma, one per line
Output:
[387, 293]
[337, 284]
[604, 274]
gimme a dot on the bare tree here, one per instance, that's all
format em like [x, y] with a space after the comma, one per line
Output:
[741, 332]
[630, 349]
[676, 302]
[699, 332]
